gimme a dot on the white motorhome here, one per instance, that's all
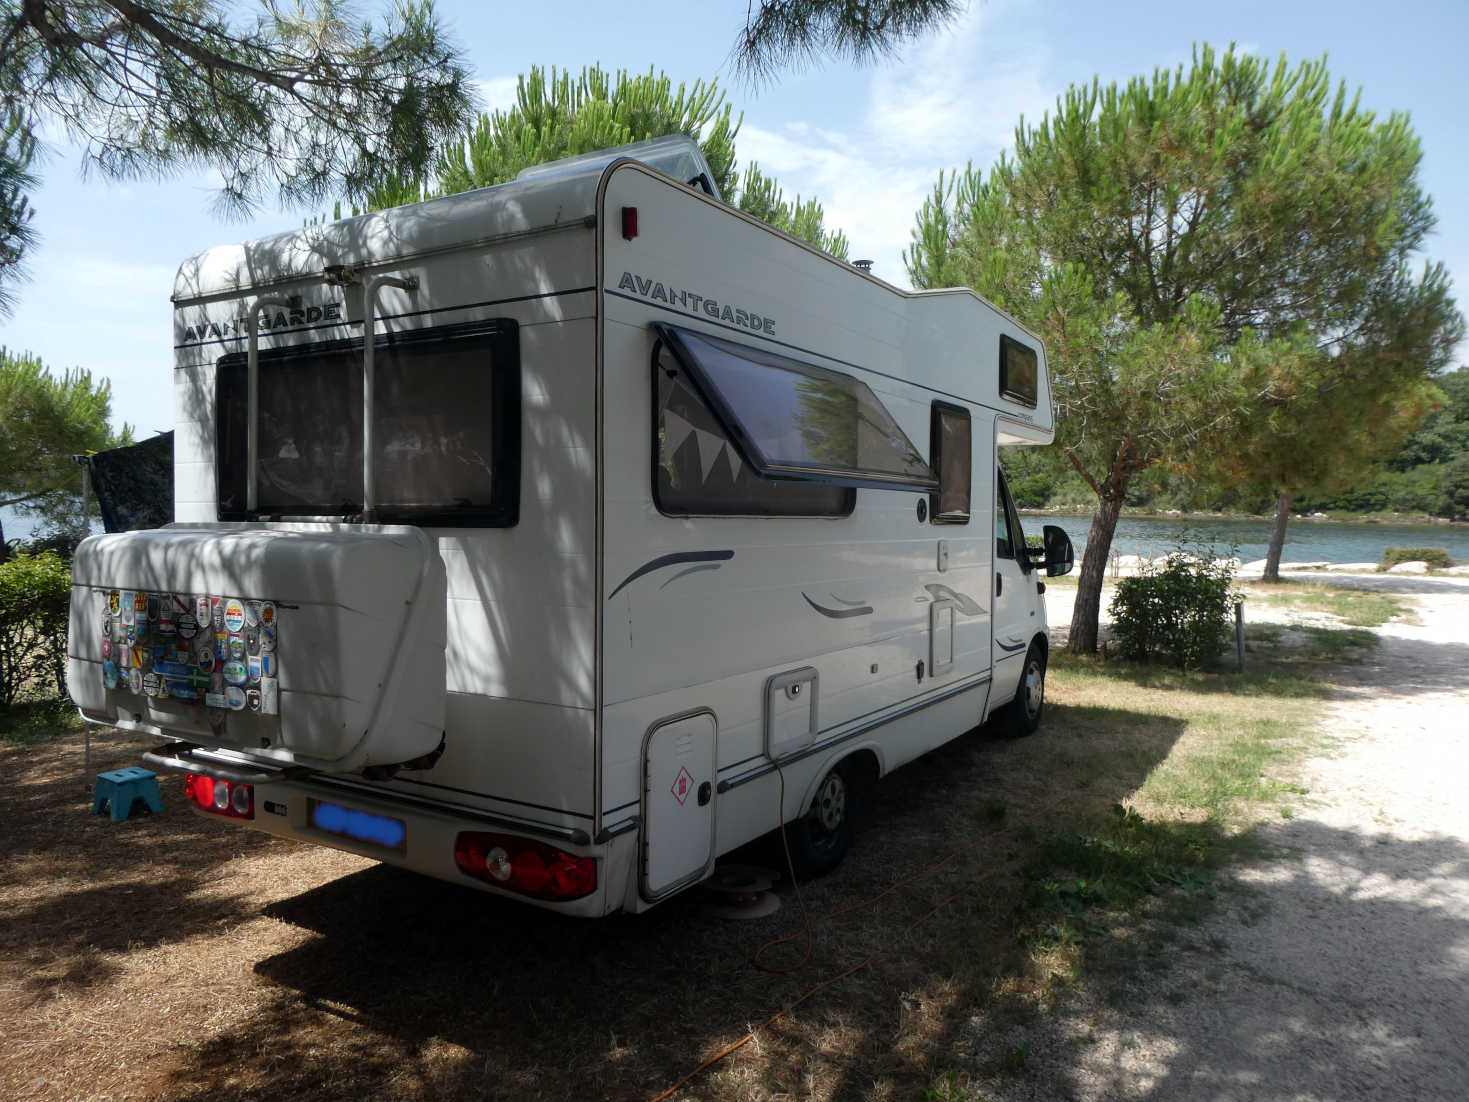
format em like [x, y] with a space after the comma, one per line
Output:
[541, 537]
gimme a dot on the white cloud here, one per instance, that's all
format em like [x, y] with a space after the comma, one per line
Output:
[496, 93]
[953, 98]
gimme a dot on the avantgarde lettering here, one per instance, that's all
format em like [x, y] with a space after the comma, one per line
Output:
[681, 298]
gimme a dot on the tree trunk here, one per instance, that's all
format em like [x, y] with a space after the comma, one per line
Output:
[1086, 613]
[1277, 536]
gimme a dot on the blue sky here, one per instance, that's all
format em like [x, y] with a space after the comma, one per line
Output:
[869, 142]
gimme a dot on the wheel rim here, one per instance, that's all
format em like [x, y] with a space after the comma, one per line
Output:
[1035, 688]
[829, 808]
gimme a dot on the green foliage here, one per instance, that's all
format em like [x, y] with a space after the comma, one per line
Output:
[1444, 434]
[558, 114]
[1181, 611]
[45, 420]
[34, 595]
[292, 104]
[1454, 489]
[1436, 557]
[1076, 879]
[786, 32]
[17, 150]
[1218, 259]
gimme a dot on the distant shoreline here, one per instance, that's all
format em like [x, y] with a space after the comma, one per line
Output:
[1387, 520]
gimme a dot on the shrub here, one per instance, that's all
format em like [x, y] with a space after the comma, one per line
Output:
[34, 594]
[1181, 611]
[1433, 556]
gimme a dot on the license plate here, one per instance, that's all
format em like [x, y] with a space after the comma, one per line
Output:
[366, 827]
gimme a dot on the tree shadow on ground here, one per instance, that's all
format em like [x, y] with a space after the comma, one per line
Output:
[1336, 975]
[441, 991]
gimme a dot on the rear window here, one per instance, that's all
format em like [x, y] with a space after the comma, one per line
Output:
[447, 428]
[1019, 372]
[798, 421]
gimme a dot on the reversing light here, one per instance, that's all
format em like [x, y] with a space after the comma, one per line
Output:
[525, 866]
[235, 801]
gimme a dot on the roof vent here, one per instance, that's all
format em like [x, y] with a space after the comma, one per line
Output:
[863, 265]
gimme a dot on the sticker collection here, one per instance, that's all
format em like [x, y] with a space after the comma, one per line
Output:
[216, 651]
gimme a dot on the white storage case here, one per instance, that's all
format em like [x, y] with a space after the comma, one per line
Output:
[324, 644]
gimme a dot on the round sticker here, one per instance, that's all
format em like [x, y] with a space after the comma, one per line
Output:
[236, 673]
[235, 698]
[267, 613]
[187, 626]
[135, 681]
[252, 698]
[267, 638]
[252, 613]
[106, 648]
[110, 674]
[234, 615]
[205, 660]
[201, 610]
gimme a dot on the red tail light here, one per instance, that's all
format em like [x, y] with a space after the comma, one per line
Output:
[525, 866]
[235, 801]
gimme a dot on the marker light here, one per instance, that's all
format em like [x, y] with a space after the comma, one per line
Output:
[629, 223]
[525, 866]
[234, 801]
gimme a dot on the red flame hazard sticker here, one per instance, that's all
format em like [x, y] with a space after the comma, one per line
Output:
[683, 784]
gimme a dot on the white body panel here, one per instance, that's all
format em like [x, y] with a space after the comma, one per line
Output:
[597, 642]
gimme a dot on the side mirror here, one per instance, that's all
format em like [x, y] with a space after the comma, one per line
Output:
[1060, 555]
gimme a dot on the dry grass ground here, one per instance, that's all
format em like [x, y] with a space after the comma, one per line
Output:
[175, 957]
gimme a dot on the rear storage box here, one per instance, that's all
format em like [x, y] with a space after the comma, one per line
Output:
[319, 645]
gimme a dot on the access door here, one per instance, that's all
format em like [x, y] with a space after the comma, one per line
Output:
[678, 803]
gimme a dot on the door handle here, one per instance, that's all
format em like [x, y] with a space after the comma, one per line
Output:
[999, 583]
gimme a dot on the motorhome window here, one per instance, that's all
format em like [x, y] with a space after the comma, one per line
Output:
[1019, 372]
[1004, 549]
[951, 460]
[698, 472]
[1008, 520]
[794, 420]
[447, 409]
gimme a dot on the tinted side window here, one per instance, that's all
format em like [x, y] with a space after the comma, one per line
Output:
[447, 428]
[1019, 372]
[951, 460]
[794, 420]
[698, 472]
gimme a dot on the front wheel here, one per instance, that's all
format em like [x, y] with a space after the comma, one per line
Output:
[820, 838]
[1023, 714]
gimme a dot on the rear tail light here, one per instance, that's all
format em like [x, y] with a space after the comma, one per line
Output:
[235, 801]
[524, 866]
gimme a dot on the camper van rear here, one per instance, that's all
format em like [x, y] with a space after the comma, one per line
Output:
[559, 537]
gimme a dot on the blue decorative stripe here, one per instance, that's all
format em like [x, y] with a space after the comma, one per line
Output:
[671, 560]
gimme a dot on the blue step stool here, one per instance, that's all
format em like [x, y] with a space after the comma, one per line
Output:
[121, 788]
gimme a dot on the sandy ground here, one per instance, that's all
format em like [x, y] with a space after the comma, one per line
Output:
[1339, 969]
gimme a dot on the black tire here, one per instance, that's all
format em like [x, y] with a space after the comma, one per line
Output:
[1023, 714]
[820, 838]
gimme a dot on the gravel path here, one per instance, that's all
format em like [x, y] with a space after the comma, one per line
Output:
[1342, 970]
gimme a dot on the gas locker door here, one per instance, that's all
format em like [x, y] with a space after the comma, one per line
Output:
[678, 803]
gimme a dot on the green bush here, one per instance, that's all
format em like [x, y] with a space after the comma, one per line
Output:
[1181, 611]
[1433, 556]
[34, 593]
